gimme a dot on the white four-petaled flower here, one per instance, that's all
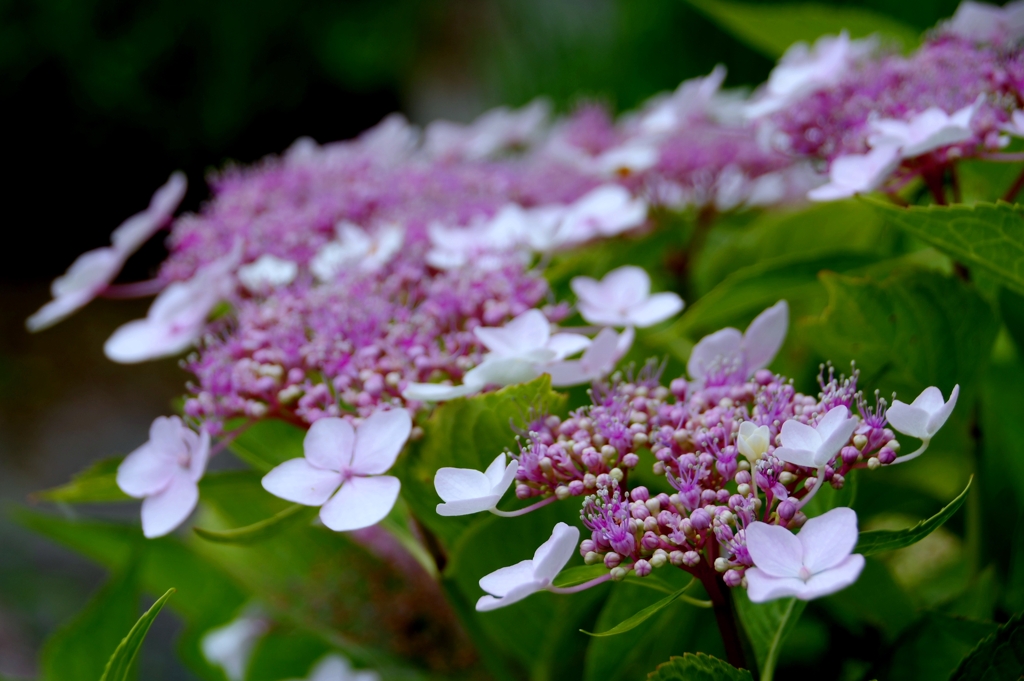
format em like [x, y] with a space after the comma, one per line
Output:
[343, 469]
[93, 271]
[858, 173]
[177, 317]
[355, 248]
[518, 352]
[729, 354]
[598, 360]
[814, 447]
[514, 583]
[164, 473]
[623, 298]
[466, 491]
[927, 131]
[923, 417]
[817, 562]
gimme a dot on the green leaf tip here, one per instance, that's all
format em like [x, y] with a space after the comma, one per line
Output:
[878, 541]
[698, 667]
[999, 656]
[264, 529]
[648, 612]
[121, 661]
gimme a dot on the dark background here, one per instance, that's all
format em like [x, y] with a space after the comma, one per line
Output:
[102, 99]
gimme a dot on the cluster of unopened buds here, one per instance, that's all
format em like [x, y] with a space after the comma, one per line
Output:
[742, 453]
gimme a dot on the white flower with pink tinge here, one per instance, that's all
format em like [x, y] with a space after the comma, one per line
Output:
[728, 353]
[230, 646]
[514, 583]
[817, 562]
[165, 473]
[598, 360]
[177, 317]
[814, 447]
[92, 272]
[466, 491]
[983, 22]
[858, 173]
[924, 132]
[520, 351]
[803, 69]
[623, 298]
[922, 418]
[343, 469]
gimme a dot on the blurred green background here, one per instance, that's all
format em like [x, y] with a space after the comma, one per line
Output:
[103, 98]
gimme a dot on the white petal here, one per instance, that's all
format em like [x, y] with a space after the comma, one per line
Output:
[199, 455]
[568, 373]
[929, 400]
[840, 434]
[655, 309]
[361, 502]
[137, 229]
[435, 392]
[504, 371]
[567, 344]
[468, 506]
[762, 587]
[502, 581]
[828, 539]
[798, 457]
[530, 330]
[458, 484]
[487, 603]
[145, 471]
[908, 420]
[938, 418]
[765, 335]
[297, 481]
[496, 470]
[330, 444]
[723, 344]
[601, 314]
[587, 290]
[796, 435]
[628, 285]
[146, 339]
[831, 581]
[774, 549]
[379, 440]
[551, 556]
[169, 508]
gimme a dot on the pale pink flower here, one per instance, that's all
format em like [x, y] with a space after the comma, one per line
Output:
[814, 447]
[514, 583]
[343, 469]
[623, 298]
[728, 354]
[92, 272]
[466, 491]
[817, 562]
[164, 473]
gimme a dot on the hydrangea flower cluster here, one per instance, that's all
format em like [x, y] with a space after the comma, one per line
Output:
[741, 451]
[879, 119]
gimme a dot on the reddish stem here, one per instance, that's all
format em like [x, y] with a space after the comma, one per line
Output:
[721, 604]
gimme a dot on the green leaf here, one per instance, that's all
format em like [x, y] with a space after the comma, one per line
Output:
[467, 433]
[767, 626]
[771, 29]
[933, 646]
[120, 663]
[998, 657]
[206, 594]
[878, 541]
[913, 329]
[267, 443]
[642, 616]
[985, 235]
[699, 667]
[97, 483]
[295, 514]
[80, 649]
